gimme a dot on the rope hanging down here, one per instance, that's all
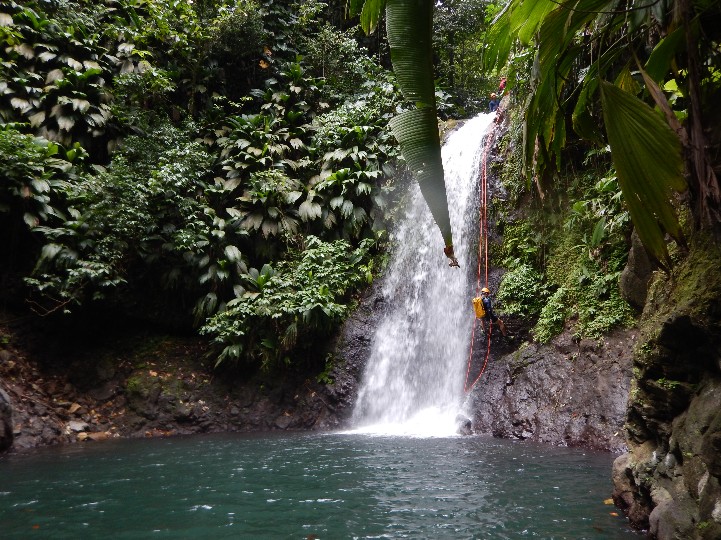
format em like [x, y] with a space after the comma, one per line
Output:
[482, 258]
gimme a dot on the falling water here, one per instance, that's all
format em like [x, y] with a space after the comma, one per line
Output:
[413, 382]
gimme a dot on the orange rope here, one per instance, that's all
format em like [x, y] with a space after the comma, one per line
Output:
[482, 256]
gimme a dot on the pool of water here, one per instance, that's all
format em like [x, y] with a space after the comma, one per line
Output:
[308, 486]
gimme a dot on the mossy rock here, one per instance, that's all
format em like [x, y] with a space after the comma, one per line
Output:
[140, 384]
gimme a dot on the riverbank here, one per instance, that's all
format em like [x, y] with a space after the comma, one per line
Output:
[141, 384]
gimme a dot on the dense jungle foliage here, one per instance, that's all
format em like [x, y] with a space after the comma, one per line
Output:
[226, 166]
[223, 165]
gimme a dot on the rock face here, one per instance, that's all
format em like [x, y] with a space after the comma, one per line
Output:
[637, 274]
[564, 393]
[669, 482]
[351, 352]
[165, 388]
[6, 424]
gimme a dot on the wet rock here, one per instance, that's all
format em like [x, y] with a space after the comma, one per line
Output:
[351, 352]
[561, 393]
[637, 274]
[105, 370]
[283, 421]
[105, 392]
[464, 425]
[674, 423]
[670, 518]
[77, 426]
[564, 343]
[6, 424]
[634, 501]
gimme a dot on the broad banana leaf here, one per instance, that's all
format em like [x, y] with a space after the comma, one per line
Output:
[649, 165]
[370, 11]
[417, 134]
[409, 25]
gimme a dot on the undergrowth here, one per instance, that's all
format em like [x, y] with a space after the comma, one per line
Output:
[564, 253]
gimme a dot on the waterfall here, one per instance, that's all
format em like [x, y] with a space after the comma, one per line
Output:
[413, 380]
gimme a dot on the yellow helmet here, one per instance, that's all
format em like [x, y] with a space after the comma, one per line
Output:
[485, 290]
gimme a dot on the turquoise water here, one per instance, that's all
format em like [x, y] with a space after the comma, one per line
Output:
[324, 486]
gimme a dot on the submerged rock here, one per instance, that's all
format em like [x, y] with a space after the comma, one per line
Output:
[464, 425]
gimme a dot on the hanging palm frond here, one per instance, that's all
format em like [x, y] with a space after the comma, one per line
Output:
[409, 26]
[417, 134]
[648, 162]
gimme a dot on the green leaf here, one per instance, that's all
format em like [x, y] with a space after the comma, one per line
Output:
[233, 253]
[37, 119]
[659, 63]
[65, 122]
[54, 75]
[25, 50]
[354, 7]
[81, 105]
[584, 123]
[371, 14]
[46, 56]
[309, 211]
[363, 188]
[598, 232]
[417, 134]
[49, 251]
[409, 26]
[347, 208]
[252, 221]
[649, 165]
[627, 83]
[20, 104]
[528, 16]
[498, 43]
[31, 220]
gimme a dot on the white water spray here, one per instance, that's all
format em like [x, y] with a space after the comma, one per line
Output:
[413, 381]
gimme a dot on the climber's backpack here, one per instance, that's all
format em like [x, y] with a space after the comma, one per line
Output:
[478, 307]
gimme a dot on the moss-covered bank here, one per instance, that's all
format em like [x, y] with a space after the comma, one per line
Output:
[668, 482]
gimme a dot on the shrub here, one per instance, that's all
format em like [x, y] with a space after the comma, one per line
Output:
[307, 295]
[521, 291]
[553, 316]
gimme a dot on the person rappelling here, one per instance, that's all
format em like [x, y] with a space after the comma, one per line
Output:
[489, 315]
[482, 305]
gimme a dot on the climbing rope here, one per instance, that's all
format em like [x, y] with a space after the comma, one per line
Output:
[482, 262]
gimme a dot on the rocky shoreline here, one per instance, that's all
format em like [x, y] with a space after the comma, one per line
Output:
[564, 393]
[163, 389]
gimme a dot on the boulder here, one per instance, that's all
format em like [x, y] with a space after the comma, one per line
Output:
[563, 393]
[637, 274]
[6, 424]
